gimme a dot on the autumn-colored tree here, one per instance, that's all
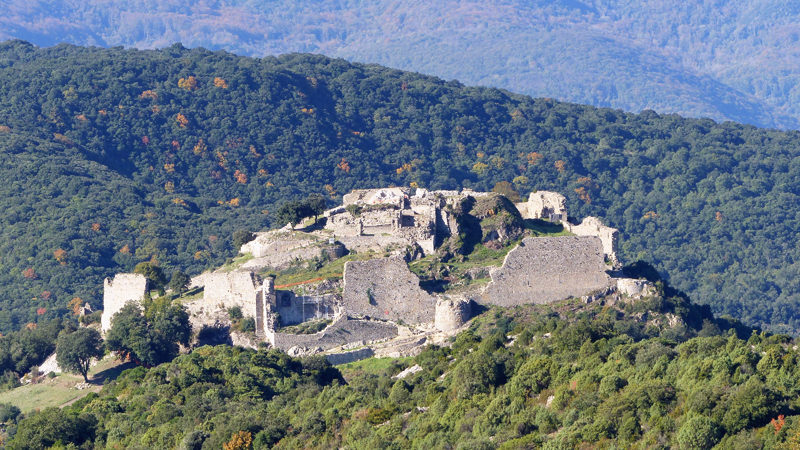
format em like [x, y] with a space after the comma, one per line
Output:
[344, 166]
[241, 440]
[220, 83]
[182, 120]
[240, 176]
[75, 305]
[46, 295]
[176, 145]
[61, 256]
[520, 181]
[506, 189]
[41, 311]
[145, 140]
[5, 129]
[169, 186]
[30, 326]
[330, 190]
[480, 168]
[169, 167]
[96, 226]
[125, 250]
[718, 216]
[29, 273]
[189, 83]
[200, 148]
[560, 165]
[234, 202]
[583, 194]
[150, 94]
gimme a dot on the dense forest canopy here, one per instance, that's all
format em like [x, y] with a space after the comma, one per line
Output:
[112, 157]
[566, 375]
[723, 59]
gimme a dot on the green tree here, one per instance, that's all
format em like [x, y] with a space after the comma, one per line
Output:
[179, 282]
[150, 336]
[153, 273]
[241, 237]
[698, 432]
[316, 205]
[74, 351]
[51, 426]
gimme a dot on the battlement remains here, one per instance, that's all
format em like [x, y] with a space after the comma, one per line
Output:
[592, 226]
[117, 292]
[544, 205]
[544, 270]
[385, 288]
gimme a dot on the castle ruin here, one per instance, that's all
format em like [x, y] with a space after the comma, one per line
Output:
[379, 299]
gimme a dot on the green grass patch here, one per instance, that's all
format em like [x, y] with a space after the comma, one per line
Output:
[236, 262]
[371, 366]
[306, 327]
[308, 270]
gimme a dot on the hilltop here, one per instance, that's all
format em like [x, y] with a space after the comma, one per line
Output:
[725, 60]
[113, 157]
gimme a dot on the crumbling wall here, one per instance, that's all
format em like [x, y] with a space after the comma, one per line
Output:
[592, 226]
[385, 288]
[452, 313]
[635, 288]
[389, 196]
[347, 357]
[124, 288]
[543, 270]
[225, 290]
[342, 331]
[294, 309]
[544, 205]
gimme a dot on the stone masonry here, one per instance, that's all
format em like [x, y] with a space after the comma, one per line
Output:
[544, 270]
[124, 288]
[385, 288]
[592, 226]
[544, 205]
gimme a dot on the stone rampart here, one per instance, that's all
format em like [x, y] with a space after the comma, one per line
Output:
[452, 313]
[592, 226]
[225, 290]
[124, 288]
[544, 270]
[385, 288]
[544, 205]
[342, 331]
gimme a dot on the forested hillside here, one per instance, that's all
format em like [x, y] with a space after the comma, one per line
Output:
[566, 375]
[112, 157]
[724, 59]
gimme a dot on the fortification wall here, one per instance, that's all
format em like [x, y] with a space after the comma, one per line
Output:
[124, 288]
[543, 205]
[342, 331]
[543, 270]
[390, 196]
[224, 290]
[385, 288]
[592, 226]
[452, 313]
[294, 309]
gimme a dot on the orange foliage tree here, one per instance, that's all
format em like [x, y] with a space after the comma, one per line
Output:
[220, 83]
[182, 120]
[75, 305]
[189, 83]
[344, 166]
[240, 440]
[61, 256]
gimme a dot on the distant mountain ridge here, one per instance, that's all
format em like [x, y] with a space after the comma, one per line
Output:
[725, 60]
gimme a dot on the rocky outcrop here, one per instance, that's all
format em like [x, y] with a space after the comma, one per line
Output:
[544, 270]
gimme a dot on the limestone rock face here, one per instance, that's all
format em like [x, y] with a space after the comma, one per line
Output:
[124, 288]
[635, 288]
[385, 288]
[544, 270]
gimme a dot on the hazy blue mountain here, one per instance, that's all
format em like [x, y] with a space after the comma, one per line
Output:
[720, 59]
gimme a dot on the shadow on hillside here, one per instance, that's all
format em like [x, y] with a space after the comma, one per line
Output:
[214, 335]
[111, 373]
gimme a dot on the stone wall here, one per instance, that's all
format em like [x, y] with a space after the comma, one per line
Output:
[386, 289]
[224, 290]
[294, 309]
[544, 205]
[124, 288]
[635, 288]
[544, 270]
[452, 313]
[388, 196]
[342, 331]
[592, 226]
